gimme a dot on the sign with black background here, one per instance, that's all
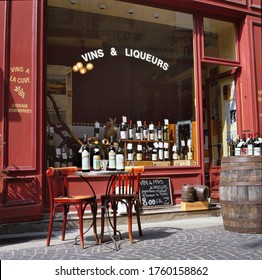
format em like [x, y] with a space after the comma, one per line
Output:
[155, 192]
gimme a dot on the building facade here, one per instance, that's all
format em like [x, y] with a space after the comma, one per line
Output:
[193, 66]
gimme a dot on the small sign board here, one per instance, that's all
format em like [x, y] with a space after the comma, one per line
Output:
[155, 192]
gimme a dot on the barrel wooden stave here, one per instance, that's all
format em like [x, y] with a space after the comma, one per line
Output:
[201, 192]
[242, 217]
[240, 193]
[188, 193]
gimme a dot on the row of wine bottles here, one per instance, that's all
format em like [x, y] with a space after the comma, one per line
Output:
[139, 131]
[159, 151]
[116, 158]
[60, 157]
[245, 146]
[144, 132]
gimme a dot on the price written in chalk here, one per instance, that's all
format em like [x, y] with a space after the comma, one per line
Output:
[155, 191]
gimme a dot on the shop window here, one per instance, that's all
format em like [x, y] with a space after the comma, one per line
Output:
[219, 39]
[142, 59]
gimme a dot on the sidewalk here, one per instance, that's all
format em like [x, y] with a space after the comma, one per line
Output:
[185, 238]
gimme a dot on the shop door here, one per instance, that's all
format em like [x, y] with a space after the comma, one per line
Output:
[21, 125]
[222, 123]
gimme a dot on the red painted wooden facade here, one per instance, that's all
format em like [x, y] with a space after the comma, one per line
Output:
[23, 194]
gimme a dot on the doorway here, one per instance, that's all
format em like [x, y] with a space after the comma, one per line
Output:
[220, 122]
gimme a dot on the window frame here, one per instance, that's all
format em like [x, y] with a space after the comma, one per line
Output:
[218, 60]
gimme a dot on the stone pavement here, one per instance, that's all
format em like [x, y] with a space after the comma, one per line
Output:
[189, 238]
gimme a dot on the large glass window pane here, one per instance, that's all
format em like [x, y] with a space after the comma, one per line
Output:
[219, 39]
[142, 61]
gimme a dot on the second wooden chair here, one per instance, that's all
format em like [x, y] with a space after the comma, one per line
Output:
[123, 188]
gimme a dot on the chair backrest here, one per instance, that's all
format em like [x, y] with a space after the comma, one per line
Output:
[127, 183]
[57, 180]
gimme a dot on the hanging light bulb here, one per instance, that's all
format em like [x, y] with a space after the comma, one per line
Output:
[75, 68]
[82, 70]
[79, 65]
[89, 66]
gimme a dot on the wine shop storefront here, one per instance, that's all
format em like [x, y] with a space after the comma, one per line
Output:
[177, 79]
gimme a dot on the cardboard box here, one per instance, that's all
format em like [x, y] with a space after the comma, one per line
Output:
[138, 163]
[194, 206]
[161, 163]
[184, 162]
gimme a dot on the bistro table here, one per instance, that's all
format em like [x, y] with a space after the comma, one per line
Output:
[111, 178]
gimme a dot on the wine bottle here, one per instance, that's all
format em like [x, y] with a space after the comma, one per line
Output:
[64, 158]
[145, 131]
[244, 146]
[57, 162]
[160, 151]
[189, 153]
[159, 132]
[257, 145]
[123, 131]
[182, 149]
[238, 146]
[85, 155]
[139, 154]
[154, 152]
[165, 130]
[97, 130]
[250, 145]
[96, 157]
[139, 131]
[70, 157]
[130, 154]
[230, 147]
[147, 152]
[50, 138]
[189, 149]
[130, 131]
[112, 155]
[174, 155]
[120, 159]
[151, 132]
[166, 151]
[165, 133]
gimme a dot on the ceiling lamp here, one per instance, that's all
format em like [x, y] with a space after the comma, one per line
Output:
[89, 66]
[81, 68]
[75, 68]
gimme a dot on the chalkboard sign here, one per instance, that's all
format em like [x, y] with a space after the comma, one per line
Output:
[155, 192]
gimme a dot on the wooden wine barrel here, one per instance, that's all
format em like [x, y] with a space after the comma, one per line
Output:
[240, 193]
[188, 193]
[201, 192]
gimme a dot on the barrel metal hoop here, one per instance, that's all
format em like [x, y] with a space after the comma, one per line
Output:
[243, 220]
[248, 184]
[244, 230]
[255, 202]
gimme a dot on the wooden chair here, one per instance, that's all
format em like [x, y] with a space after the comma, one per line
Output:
[58, 193]
[122, 188]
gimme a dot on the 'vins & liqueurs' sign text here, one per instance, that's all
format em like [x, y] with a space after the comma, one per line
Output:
[155, 191]
[99, 53]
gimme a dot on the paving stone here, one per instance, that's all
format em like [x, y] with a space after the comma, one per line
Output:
[202, 238]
